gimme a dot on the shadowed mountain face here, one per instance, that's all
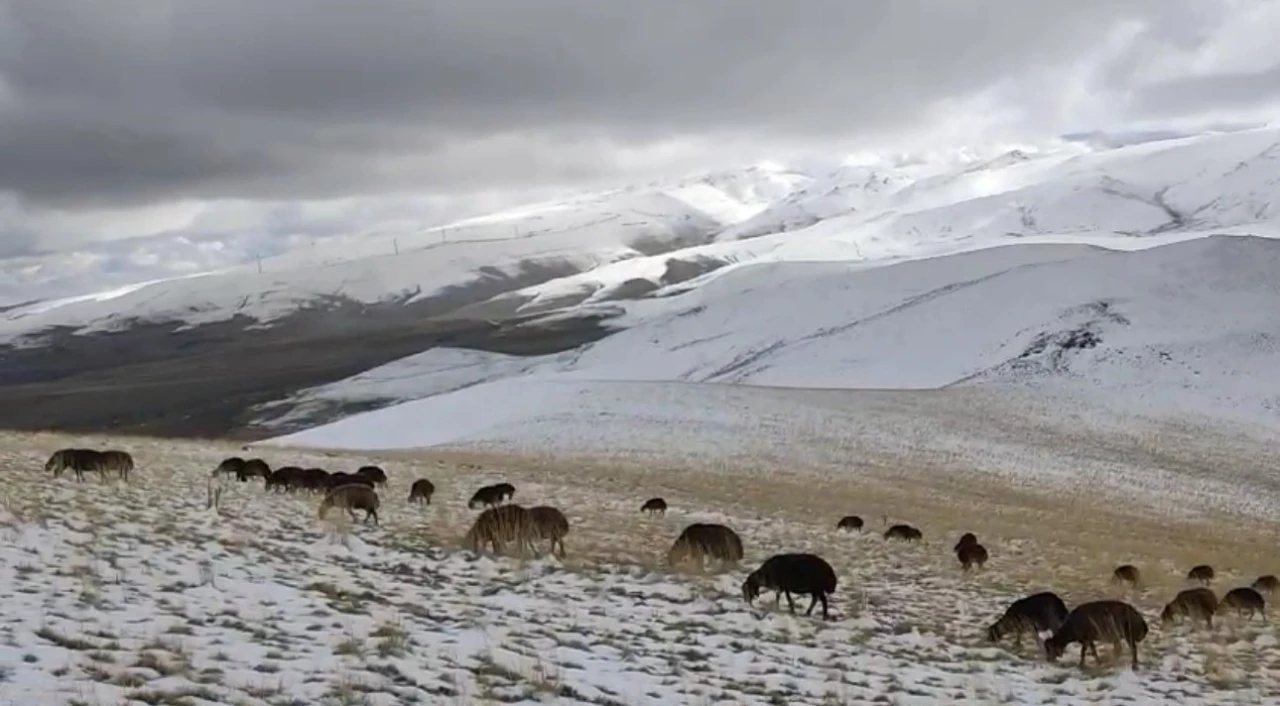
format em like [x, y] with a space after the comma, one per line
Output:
[163, 379]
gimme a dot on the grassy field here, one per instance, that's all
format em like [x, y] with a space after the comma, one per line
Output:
[137, 593]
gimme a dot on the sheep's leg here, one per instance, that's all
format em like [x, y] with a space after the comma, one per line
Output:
[1084, 648]
[777, 599]
[812, 603]
[1093, 650]
[1133, 648]
[791, 604]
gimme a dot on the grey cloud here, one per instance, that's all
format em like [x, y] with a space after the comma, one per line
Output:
[136, 101]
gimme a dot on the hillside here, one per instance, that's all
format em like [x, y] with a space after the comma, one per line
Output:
[551, 277]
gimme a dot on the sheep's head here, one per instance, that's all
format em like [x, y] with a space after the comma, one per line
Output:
[750, 588]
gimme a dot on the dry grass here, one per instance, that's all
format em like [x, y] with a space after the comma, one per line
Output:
[903, 604]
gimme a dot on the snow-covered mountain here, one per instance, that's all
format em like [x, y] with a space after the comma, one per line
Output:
[1185, 331]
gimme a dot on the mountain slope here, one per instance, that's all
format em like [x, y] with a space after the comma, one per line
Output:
[1184, 330]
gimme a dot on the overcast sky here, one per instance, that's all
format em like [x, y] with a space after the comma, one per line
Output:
[131, 117]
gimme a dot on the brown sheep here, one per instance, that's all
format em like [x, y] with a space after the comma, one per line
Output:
[971, 554]
[1099, 620]
[1202, 573]
[421, 491]
[654, 506]
[1195, 603]
[314, 479]
[549, 523]
[849, 523]
[352, 497]
[701, 540]
[906, 533]
[283, 479]
[966, 538]
[1034, 614]
[1245, 601]
[1268, 584]
[113, 461]
[500, 526]
[339, 479]
[1127, 573]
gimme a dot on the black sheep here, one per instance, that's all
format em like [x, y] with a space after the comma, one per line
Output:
[1108, 620]
[802, 574]
[1034, 614]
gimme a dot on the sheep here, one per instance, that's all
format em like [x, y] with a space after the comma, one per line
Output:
[500, 525]
[421, 491]
[1034, 614]
[283, 479]
[253, 468]
[314, 479]
[77, 460]
[550, 523]
[114, 461]
[1098, 620]
[505, 491]
[701, 540]
[801, 574]
[373, 473]
[1191, 603]
[352, 497]
[903, 532]
[654, 506]
[1246, 601]
[966, 538]
[489, 495]
[971, 554]
[1127, 573]
[230, 466]
[1202, 573]
[850, 522]
[1268, 584]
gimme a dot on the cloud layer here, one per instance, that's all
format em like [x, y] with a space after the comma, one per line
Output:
[136, 104]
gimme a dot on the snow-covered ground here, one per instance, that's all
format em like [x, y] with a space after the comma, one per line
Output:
[138, 594]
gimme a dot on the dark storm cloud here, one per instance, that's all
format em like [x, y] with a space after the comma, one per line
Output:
[134, 100]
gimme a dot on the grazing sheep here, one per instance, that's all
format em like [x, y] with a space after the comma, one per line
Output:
[1127, 573]
[421, 491]
[1268, 584]
[550, 523]
[1192, 603]
[1202, 573]
[499, 526]
[904, 532]
[352, 497]
[489, 496]
[113, 461]
[505, 491]
[230, 466]
[801, 574]
[77, 460]
[654, 506]
[314, 479]
[373, 473]
[1098, 620]
[1034, 614]
[253, 468]
[283, 479]
[966, 539]
[701, 540]
[850, 522]
[1246, 601]
[971, 554]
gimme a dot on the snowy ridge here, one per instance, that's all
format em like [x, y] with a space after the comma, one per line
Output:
[640, 241]
[1180, 331]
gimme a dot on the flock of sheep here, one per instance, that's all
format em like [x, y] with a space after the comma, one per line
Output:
[503, 524]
